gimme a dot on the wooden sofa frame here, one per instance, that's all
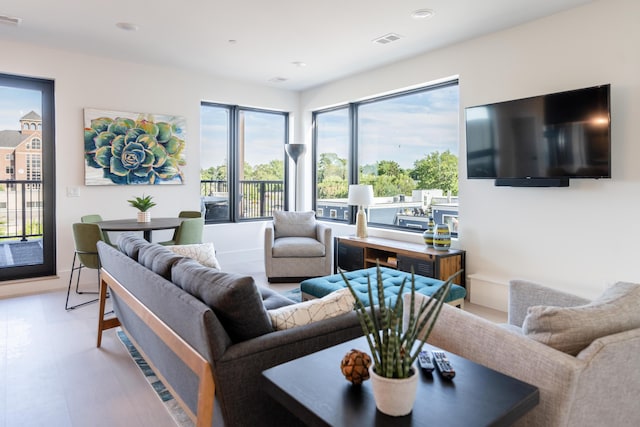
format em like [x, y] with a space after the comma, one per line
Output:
[198, 364]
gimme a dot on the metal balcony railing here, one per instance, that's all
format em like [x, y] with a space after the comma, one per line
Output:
[21, 210]
[257, 199]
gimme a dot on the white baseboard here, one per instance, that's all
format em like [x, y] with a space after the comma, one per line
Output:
[489, 291]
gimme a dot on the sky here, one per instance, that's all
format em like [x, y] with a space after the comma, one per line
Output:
[403, 129]
[264, 136]
[15, 103]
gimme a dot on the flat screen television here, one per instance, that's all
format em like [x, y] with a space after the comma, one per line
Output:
[542, 140]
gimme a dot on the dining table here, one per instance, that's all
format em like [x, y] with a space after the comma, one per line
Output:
[132, 224]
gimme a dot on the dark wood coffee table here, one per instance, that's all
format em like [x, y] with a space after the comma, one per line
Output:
[314, 389]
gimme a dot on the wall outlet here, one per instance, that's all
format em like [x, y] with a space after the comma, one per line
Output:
[73, 192]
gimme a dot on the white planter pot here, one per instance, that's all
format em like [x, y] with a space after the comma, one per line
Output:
[394, 397]
[144, 216]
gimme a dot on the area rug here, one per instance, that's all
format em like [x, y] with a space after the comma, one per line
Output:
[174, 408]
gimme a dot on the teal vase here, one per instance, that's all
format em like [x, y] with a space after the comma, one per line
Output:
[442, 237]
[428, 233]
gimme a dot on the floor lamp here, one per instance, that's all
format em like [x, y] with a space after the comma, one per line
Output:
[295, 151]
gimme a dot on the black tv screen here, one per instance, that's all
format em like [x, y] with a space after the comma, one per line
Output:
[559, 135]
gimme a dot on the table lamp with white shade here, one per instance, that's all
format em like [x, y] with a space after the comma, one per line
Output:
[361, 196]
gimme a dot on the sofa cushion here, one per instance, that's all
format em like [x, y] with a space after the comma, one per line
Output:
[272, 300]
[294, 224]
[571, 329]
[297, 247]
[234, 298]
[130, 244]
[204, 253]
[158, 259]
[332, 305]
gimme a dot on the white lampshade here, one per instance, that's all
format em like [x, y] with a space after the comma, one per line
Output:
[360, 195]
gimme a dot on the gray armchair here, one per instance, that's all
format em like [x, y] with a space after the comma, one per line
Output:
[583, 356]
[297, 247]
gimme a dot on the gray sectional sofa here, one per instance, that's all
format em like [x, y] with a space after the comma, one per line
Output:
[202, 330]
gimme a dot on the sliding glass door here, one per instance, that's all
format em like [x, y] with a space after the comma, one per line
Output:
[27, 178]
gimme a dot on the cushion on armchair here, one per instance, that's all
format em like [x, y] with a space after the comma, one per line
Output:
[571, 329]
[294, 224]
[297, 247]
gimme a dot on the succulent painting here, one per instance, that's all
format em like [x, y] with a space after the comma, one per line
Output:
[138, 151]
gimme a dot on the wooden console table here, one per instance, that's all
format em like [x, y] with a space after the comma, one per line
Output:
[353, 253]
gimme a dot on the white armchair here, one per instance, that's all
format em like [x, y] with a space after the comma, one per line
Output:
[297, 247]
[597, 386]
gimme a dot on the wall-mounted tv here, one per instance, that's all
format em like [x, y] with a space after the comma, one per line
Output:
[542, 140]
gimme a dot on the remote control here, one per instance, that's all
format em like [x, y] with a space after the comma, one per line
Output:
[441, 361]
[425, 361]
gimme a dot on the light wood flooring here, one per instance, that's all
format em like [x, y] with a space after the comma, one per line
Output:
[52, 374]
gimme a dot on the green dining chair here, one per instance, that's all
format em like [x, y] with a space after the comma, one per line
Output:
[85, 237]
[93, 218]
[189, 232]
[182, 214]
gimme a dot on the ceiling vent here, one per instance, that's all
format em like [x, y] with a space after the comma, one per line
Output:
[387, 38]
[10, 20]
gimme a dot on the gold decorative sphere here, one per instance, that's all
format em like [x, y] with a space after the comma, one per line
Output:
[355, 366]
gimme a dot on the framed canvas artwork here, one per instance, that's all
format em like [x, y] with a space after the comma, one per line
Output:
[122, 148]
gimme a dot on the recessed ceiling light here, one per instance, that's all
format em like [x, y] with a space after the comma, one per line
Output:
[232, 41]
[299, 64]
[422, 13]
[10, 20]
[127, 26]
[278, 80]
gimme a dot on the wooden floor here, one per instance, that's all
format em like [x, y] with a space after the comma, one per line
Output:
[52, 374]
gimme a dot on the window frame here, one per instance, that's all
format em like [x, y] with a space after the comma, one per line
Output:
[353, 165]
[48, 267]
[233, 152]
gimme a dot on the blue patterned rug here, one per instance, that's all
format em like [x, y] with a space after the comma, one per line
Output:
[174, 408]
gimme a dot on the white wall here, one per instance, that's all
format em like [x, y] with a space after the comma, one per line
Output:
[580, 238]
[84, 81]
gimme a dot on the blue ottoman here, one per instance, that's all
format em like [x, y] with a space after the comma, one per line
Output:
[391, 280]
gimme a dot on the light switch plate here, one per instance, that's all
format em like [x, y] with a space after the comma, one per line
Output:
[73, 192]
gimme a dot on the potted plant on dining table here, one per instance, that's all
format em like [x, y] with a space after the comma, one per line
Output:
[143, 204]
[394, 349]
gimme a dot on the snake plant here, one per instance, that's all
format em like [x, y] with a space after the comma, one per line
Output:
[394, 348]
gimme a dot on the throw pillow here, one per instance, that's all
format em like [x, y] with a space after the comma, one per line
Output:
[334, 304]
[571, 329]
[204, 253]
[234, 298]
[294, 224]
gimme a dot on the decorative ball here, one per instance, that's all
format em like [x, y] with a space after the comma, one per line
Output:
[355, 366]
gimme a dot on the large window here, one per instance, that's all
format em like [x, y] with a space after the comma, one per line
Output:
[242, 162]
[405, 145]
